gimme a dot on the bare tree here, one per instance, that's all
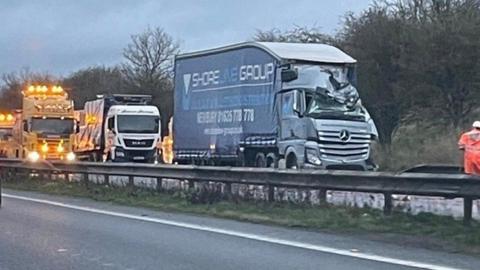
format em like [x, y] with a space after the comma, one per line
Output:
[149, 59]
[149, 68]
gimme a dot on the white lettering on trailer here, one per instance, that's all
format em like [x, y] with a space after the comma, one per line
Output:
[205, 78]
[226, 116]
[255, 72]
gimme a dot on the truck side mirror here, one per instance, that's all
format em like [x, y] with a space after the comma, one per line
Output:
[110, 123]
[288, 75]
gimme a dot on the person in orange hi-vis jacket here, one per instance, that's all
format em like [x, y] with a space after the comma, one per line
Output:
[470, 143]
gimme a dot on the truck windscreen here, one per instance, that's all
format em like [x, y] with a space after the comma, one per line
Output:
[312, 76]
[52, 126]
[137, 124]
[318, 103]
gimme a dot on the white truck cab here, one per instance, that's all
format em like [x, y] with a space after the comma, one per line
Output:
[132, 133]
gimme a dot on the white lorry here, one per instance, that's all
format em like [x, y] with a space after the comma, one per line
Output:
[119, 128]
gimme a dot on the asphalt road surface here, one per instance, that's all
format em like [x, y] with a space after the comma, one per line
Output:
[64, 233]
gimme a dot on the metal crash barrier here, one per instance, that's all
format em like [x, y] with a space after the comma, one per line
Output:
[448, 185]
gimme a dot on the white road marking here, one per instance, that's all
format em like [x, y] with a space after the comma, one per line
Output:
[250, 236]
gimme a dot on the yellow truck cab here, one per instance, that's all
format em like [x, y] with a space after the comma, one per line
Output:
[47, 124]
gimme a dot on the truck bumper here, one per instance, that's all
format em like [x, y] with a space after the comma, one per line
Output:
[353, 166]
[315, 159]
[128, 155]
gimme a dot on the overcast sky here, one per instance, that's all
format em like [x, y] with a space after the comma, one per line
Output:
[61, 36]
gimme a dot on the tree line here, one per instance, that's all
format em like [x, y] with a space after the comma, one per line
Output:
[418, 60]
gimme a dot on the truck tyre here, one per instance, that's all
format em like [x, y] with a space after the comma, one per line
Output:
[260, 160]
[272, 160]
[93, 157]
[292, 162]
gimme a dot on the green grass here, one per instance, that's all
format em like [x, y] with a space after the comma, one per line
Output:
[425, 230]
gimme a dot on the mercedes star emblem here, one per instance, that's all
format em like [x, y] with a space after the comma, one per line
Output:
[344, 135]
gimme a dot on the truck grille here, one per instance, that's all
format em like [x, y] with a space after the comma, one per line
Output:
[138, 143]
[344, 143]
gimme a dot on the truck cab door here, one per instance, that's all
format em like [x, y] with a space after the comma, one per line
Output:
[291, 110]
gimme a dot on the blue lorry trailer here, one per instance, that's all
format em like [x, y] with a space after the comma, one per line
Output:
[264, 104]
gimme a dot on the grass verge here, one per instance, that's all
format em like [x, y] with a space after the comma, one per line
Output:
[424, 230]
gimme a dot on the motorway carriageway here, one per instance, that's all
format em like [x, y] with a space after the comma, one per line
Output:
[40, 231]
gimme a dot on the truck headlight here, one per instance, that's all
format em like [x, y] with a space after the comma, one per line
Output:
[33, 156]
[312, 156]
[44, 148]
[70, 156]
[119, 153]
[60, 148]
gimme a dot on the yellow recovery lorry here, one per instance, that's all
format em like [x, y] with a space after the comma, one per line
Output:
[47, 126]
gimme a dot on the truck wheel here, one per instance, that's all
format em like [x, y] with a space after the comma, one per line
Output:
[260, 160]
[93, 157]
[292, 162]
[272, 160]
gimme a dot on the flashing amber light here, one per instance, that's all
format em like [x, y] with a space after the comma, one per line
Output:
[44, 90]
[6, 117]
[57, 89]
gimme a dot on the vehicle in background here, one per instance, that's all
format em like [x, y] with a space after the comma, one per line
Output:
[265, 103]
[167, 145]
[7, 123]
[119, 128]
[46, 127]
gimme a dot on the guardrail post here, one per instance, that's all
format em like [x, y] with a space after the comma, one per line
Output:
[271, 193]
[85, 179]
[467, 210]
[322, 196]
[388, 203]
[228, 190]
[159, 185]
[131, 183]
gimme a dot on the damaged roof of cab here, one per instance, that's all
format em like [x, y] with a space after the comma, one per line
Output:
[308, 52]
[311, 52]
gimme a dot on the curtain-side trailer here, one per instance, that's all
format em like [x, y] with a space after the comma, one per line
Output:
[263, 104]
